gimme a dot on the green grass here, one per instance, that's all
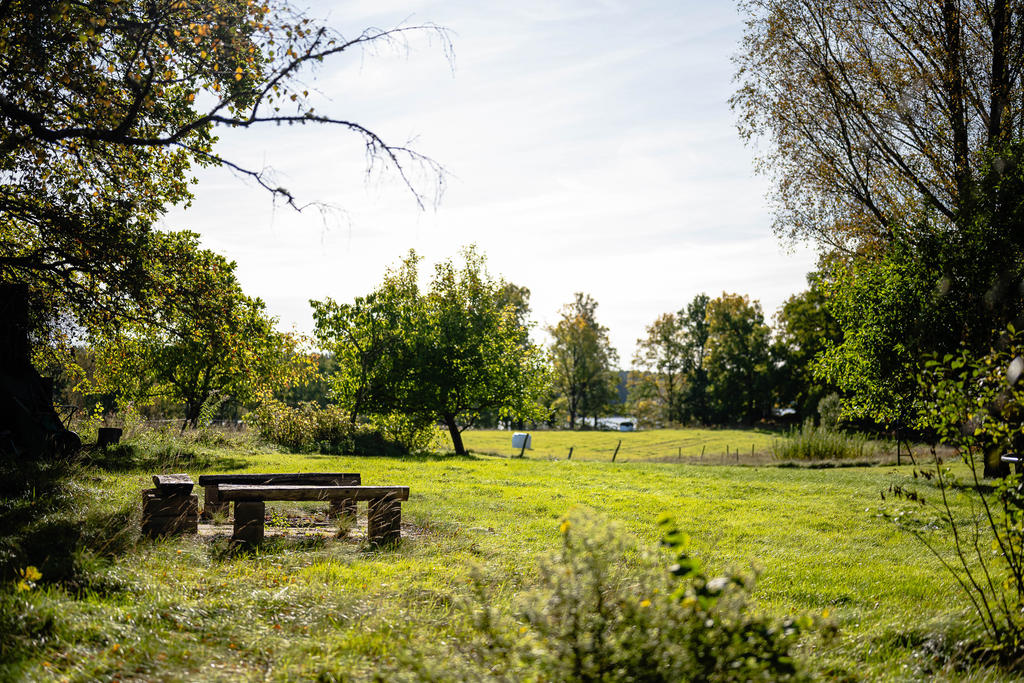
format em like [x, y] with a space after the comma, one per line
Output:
[304, 608]
[657, 445]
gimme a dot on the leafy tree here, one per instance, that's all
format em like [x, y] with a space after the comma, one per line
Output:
[878, 111]
[371, 342]
[738, 358]
[107, 106]
[663, 361]
[206, 339]
[582, 360]
[694, 320]
[452, 352]
[896, 130]
[805, 328]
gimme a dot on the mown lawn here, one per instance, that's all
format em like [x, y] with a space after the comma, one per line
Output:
[305, 607]
[664, 445]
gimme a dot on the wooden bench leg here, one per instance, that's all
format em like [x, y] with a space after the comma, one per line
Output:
[384, 520]
[249, 522]
[212, 504]
[345, 507]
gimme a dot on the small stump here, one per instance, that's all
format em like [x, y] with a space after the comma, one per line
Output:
[109, 436]
[170, 509]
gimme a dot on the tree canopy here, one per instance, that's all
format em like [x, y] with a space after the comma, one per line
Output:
[204, 340]
[878, 112]
[738, 358]
[450, 353]
[105, 107]
[583, 360]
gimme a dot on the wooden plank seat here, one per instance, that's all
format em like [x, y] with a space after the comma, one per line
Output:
[211, 483]
[383, 518]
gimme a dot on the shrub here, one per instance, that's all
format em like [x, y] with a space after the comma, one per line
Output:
[975, 404]
[830, 411]
[328, 429]
[821, 443]
[605, 610]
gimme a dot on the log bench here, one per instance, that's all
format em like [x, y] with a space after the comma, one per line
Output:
[214, 504]
[383, 518]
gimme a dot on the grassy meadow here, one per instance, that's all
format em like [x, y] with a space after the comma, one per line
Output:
[307, 607]
[656, 445]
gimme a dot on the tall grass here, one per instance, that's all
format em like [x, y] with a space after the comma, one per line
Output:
[810, 442]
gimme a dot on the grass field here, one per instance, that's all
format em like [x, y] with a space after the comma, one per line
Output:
[309, 608]
[653, 445]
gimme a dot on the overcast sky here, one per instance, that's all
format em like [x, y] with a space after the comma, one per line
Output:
[590, 147]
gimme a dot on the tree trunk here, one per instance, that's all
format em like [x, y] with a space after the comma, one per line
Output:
[192, 410]
[956, 93]
[29, 423]
[1000, 89]
[453, 429]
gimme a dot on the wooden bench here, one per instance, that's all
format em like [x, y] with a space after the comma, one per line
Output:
[211, 483]
[383, 518]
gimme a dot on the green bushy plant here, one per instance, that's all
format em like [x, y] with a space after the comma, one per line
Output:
[304, 428]
[608, 610]
[810, 442]
[975, 404]
[328, 429]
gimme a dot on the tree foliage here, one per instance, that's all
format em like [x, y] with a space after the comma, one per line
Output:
[204, 338]
[657, 387]
[879, 111]
[896, 135]
[449, 353]
[583, 360]
[673, 379]
[738, 358]
[804, 329]
[105, 107]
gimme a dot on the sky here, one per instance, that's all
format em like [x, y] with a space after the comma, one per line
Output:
[589, 147]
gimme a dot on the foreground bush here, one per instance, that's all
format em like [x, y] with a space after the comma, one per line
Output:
[975, 404]
[608, 611]
[821, 443]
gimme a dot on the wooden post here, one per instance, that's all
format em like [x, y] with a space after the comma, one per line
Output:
[616, 450]
[169, 515]
[344, 507]
[249, 522]
[570, 452]
[702, 447]
[384, 520]
[522, 450]
[212, 504]
[680, 456]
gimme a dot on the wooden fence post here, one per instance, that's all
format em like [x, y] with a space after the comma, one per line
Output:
[616, 450]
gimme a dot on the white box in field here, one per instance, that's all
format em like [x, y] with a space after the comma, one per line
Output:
[520, 438]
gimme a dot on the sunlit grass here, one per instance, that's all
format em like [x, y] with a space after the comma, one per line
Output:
[302, 607]
[713, 445]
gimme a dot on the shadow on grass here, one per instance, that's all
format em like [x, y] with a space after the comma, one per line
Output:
[131, 457]
[420, 457]
[223, 549]
[50, 521]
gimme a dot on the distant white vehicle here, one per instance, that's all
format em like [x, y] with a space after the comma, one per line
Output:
[626, 426]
